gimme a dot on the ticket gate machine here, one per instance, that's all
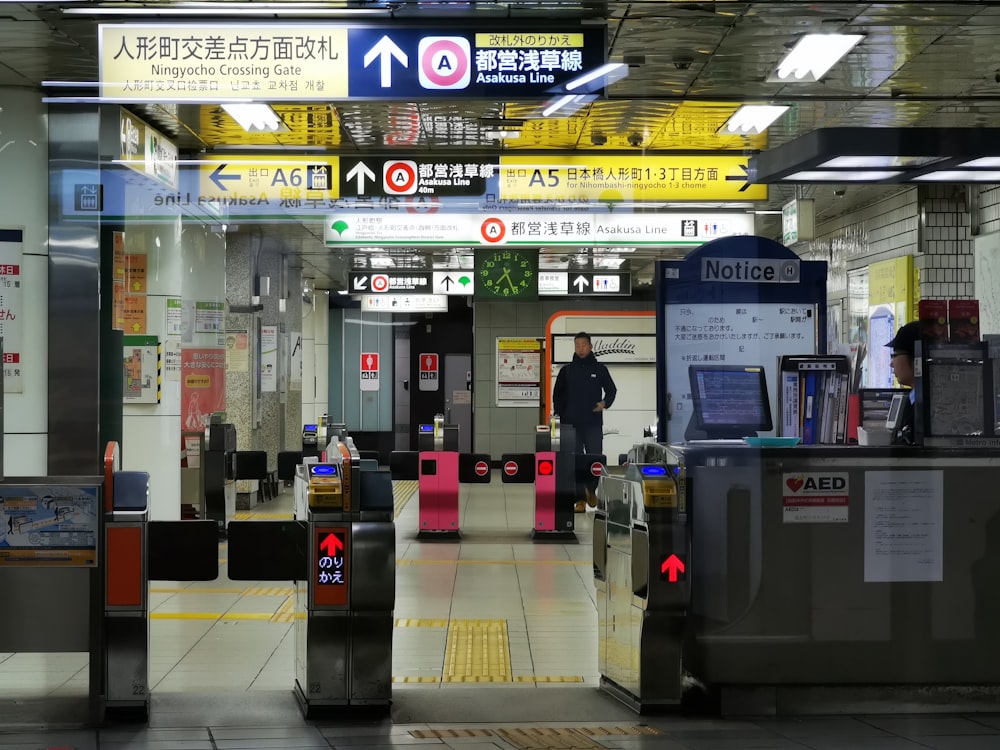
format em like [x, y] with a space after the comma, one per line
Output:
[438, 478]
[555, 482]
[310, 440]
[344, 605]
[641, 553]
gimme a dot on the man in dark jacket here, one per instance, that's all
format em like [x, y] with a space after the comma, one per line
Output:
[583, 390]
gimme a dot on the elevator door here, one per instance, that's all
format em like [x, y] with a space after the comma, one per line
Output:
[458, 397]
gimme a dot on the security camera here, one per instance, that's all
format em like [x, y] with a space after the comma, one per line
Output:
[598, 139]
[682, 62]
[840, 192]
[635, 139]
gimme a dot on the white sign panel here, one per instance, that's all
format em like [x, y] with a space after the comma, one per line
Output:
[553, 282]
[608, 349]
[531, 229]
[815, 497]
[11, 262]
[268, 359]
[904, 526]
[453, 282]
[405, 303]
[730, 334]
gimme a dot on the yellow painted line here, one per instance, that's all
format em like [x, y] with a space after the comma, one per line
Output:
[417, 679]
[269, 591]
[412, 622]
[251, 515]
[251, 591]
[585, 563]
[477, 651]
[402, 491]
[548, 678]
[286, 612]
[196, 591]
[248, 616]
[185, 615]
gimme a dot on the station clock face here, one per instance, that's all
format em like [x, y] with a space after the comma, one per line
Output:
[507, 274]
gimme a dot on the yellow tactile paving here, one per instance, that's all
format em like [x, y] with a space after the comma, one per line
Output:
[252, 591]
[548, 678]
[477, 651]
[262, 515]
[402, 491]
[547, 738]
[412, 622]
[286, 612]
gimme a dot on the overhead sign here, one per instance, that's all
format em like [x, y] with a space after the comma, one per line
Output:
[428, 372]
[453, 282]
[696, 177]
[267, 182]
[427, 177]
[589, 284]
[146, 150]
[404, 303]
[216, 62]
[389, 283]
[675, 228]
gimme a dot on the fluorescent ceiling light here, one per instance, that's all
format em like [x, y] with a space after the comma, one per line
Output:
[598, 78]
[814, 54]
[829, 175]
[753, 118]
[500, 134]
[612, 263]
[868, 162]
[960, 175]
[377, 262]
[984, 161]
[567, 104]
[255, 117]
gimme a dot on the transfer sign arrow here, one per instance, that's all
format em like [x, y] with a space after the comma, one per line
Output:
[580, 282]
[360, 171]
[331, 544]
[383, 51]
[672, 566]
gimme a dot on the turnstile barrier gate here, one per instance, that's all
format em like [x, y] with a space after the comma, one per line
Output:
[641, 558]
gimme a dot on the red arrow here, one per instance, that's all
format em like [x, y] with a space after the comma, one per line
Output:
[332, 545]
[672, 565]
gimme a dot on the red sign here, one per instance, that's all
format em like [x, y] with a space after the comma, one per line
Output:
[369, 371]
[493, 230]
[482, 468]
[510, 468]
[380, 282]
[399, 177]
[203, 385]
[670, 567]
[544, 468]
[596, 468]
[329, 566]
[428, 372]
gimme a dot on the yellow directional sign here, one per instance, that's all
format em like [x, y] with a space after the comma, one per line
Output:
[269, 180]
[593, 177]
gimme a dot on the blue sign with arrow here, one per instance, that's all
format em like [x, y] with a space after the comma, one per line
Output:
[421, 63]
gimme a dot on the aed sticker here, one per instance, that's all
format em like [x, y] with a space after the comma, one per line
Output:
[815, 497]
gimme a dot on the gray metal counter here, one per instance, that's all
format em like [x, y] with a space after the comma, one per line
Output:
[843, 565]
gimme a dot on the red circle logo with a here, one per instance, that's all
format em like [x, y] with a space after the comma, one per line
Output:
[510, 468]
[399, 177]
[595, 468]
[482, 468]
[493, 230]
[380, 282]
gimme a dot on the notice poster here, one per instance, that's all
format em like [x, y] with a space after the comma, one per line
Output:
[141, 361]
[208, 317]
[904, 526]
[48, 525]
[203, 385]
[175, 316]
[11, 253]
[268, 359]
[519, 371]
[238, 351]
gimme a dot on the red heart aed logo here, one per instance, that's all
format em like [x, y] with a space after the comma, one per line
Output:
[795, 483]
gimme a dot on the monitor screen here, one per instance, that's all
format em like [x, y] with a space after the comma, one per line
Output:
[730, 401]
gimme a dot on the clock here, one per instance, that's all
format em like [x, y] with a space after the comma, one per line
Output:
[507, 274]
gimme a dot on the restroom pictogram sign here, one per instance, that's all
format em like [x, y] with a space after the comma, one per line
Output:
[429, 372]
[369, 371]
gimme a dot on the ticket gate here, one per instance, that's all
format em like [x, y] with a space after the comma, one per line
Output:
[310, 440]
[641, 553]
[439, 469]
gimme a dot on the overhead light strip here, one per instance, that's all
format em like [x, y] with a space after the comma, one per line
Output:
[753, 119]
[813, 56]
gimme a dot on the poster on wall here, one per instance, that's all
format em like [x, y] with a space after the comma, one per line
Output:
[519, 371]
[203, 385]
[172, 359]
[890, 305]
[141, 376]
[268, 359]
[49, 525]
[238, 351]
[11, 262]
[208, 317]
[175, 316]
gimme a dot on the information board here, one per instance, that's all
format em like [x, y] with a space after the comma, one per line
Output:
[49, 525]
[519, 371]
[731, 334]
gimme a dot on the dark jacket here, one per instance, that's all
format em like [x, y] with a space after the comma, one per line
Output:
[579, 386]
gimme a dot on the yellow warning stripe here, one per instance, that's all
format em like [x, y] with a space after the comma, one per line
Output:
[286, 612]
[402, 491]
[252, 515]
[253, 591]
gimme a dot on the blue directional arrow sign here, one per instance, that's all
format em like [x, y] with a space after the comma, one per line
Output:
[219, 179]
[493, 63]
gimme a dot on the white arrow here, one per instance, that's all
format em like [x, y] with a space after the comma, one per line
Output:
[384, 50]
[580, 282]
[360, 170]
[361, 283]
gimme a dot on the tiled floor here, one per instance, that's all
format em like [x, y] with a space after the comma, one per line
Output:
[221, 666]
